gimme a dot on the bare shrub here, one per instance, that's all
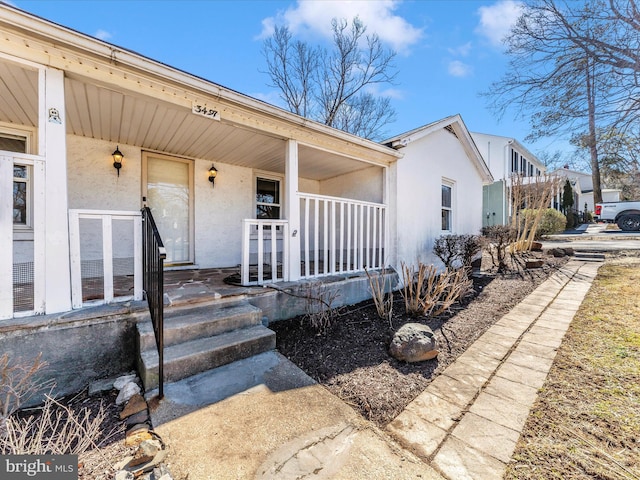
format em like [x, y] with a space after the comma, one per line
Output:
[457, 251]
[382, 294]
[429, 293]
[319, 306]
[535, 194]
[56, 430]
[498, 238]
[17, 385]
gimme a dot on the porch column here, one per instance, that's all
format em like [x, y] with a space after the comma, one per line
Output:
[53, 141]
[292, 207]
[6, 237]
[389, 198]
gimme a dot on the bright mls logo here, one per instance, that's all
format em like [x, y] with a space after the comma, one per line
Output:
[46, 467]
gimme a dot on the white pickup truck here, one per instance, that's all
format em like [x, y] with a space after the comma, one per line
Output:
[625, 214]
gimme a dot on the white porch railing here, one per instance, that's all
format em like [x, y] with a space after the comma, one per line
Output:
[337, 235]
[85, 249]
[340, 235]
[265, 248]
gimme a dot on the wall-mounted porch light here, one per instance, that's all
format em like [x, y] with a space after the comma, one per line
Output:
[213, 173]
[117, 159]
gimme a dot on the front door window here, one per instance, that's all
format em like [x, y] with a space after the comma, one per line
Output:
[168, 196]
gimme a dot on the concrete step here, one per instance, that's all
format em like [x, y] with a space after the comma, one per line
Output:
[589, 256]
[195, 356]
[184, 326]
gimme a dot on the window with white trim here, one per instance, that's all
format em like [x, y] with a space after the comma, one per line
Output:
[447, 207]
[268, 198]
[21, 196]
[15, 142]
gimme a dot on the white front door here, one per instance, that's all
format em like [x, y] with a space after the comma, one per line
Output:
[168, 191]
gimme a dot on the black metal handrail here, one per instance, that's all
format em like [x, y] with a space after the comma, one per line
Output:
[153, 256]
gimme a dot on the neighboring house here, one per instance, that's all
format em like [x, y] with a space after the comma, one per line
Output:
[231, 182]
[582, 185]
[440, 180]
[504, 156]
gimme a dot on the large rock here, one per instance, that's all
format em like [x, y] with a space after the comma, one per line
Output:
[414, 342]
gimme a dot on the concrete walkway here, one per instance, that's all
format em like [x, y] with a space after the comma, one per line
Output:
[468, 420]
[271, 421]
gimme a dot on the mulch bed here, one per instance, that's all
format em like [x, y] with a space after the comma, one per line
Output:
[351, 358]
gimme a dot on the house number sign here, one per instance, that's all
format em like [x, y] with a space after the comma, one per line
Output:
[205, 111]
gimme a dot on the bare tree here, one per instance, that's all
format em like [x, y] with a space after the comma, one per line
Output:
[337, 87]
[560, 77]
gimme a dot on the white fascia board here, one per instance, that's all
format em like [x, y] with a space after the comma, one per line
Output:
[464, 137]
[113, 54]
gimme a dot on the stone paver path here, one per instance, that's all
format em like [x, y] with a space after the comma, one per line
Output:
[468, 420]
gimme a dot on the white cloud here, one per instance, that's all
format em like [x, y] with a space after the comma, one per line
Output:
[459, 69]
[496, 20]
[461, 50]
[102, 35]
[313, 17]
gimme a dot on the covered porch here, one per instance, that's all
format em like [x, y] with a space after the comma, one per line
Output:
[72, 100]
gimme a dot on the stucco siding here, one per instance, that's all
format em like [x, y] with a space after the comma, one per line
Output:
[365, 185]
[420, 174]
[218, 211]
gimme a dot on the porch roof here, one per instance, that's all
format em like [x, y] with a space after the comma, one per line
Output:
[123, 97]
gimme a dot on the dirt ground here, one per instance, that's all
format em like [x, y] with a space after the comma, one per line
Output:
[351, 359]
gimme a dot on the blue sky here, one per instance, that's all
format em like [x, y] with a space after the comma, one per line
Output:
[448, 50]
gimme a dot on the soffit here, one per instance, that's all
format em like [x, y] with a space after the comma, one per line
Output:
[130, 118]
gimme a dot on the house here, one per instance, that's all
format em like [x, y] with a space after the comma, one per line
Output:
[90, 133]
[582, 185]
[439, 183]
[505, 156]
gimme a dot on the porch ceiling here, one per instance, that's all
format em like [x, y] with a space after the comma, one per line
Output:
[124, 117]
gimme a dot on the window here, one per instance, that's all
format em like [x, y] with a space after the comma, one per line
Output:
[514, 161]
[21, 192]
[12, 142]
[267, 198]
[447, 210]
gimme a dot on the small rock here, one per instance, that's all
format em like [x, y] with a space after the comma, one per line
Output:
[150, 465]
[139, 459]
[140, 417]
[414, 342]
[136, 404]
[99, 386]
[121, 381]
[556, 252]
[124, 475]
[569, 251]
[137, 438]
[161, 473]
[138, 427]
[533, 264]
[128, 390]
[536, 247]
[150, 447]
[122, 463]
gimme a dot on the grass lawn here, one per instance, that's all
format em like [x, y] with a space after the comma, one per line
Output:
[586, 421]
